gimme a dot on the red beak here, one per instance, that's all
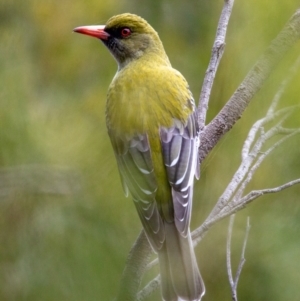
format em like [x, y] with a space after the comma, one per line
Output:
[96, 31]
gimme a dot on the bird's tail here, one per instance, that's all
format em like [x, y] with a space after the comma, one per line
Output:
[180, 276]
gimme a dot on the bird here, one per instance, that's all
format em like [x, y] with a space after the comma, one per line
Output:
[152, 123]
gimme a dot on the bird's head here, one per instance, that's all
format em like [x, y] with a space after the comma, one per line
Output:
[128, 37]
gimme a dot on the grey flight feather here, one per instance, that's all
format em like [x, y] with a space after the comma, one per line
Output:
[137, 175]
[180, 150]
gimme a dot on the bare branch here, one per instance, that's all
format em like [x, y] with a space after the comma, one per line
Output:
[152, 264]
[135, 267]
[232, 208]
[228, 250]
[238, 183]
[258, 125]
[260, 159]
[242, 259]
[151, 287]
[241, 98]
[216, 56]
[234, 283]
[227, 208]
[257, 193]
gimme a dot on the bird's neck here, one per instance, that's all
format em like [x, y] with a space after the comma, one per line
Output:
[152, 58]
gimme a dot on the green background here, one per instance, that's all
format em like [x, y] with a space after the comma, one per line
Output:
[65, 226]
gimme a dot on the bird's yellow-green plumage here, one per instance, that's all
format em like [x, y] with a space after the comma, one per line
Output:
[152, 124]
[143, 99]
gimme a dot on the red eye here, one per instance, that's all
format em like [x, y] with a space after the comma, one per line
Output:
[125, 32]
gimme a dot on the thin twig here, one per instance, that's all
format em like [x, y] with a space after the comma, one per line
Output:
[228, 210]
[152, 286]
[216, 56]
[231, 201]
[238, 182]
[258, 125]
[237, 198]
[151, 264]
[242, 259]
[254, 194]
[234, 282]
[228, 250]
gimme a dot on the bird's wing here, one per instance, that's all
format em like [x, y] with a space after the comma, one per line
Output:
[137, 175]
[180, 152]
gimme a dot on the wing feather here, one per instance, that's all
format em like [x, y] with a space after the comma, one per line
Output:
[137, 174]
[180, 152]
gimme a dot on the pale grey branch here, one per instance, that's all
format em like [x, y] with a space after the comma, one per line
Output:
[234, 282]
[216, 56]
[257, 193]
[261, 157]
[228, 250]
[260, 123]
[152, 286]
[231, 200]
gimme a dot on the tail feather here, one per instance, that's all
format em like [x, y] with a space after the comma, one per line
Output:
[180, 276]
[167, 288]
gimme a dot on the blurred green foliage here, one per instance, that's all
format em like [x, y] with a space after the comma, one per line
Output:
[72, 245]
